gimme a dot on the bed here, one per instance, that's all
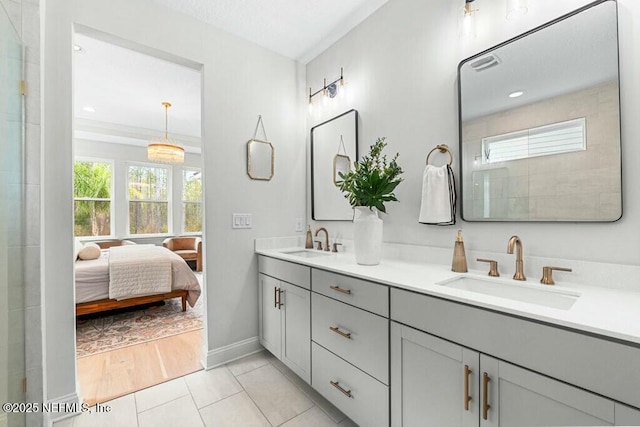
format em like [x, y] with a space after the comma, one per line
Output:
[93, 278]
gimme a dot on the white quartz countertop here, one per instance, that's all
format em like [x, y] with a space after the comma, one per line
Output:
[612, 313]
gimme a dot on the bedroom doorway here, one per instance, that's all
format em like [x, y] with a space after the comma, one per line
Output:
[136, 217]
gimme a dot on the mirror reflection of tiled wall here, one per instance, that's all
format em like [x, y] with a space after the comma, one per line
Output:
[584, 185]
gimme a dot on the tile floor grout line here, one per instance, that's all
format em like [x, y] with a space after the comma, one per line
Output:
[308, 395]
[224, 398]
[250, 370]
[204, 424]
[259, 409]
[163, 403]
[299, 415]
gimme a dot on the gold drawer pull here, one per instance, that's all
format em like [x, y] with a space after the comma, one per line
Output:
[341, 290]
[339, 332]
[467, 398]
[336, 384]
[485, 395]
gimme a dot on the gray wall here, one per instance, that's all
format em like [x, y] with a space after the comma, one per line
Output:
[240, 81]
[401, 70]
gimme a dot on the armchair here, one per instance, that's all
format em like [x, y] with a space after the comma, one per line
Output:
[189, 248]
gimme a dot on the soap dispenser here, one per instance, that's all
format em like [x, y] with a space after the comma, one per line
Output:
[459, 263]
[309, 243]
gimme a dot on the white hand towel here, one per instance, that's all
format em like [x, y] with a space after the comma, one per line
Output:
[438, 196]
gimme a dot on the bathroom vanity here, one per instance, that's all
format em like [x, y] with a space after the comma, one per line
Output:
[407, 344]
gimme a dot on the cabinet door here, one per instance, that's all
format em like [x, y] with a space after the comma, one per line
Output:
[518, 397]
[428, 385]
[296, 329]
[269, 314]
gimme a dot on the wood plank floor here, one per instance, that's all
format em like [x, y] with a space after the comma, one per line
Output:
[112, 374]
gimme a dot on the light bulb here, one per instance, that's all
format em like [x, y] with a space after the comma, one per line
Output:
[516, 8]
[469, 21]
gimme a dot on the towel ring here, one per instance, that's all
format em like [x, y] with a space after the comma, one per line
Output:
[443, 148]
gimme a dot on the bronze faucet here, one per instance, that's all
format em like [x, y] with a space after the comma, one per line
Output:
[326, 240]
[515, 241]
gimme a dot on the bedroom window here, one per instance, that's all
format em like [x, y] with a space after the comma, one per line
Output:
[148, 199]
[92, 198]
[191, 201]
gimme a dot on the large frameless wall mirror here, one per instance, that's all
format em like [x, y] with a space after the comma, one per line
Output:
[334, 149]
[540, 123]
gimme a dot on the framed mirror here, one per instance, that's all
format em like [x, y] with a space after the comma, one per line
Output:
[334, 149]
[539, 123]
[260, 160]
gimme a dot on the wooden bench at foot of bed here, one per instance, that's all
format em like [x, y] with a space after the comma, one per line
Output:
[112, 304]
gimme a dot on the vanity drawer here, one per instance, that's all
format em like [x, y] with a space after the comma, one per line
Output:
[360, 293]
[290, 272]
[363, 398]
[362, 338]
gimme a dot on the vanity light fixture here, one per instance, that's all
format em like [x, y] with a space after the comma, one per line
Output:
[516, 8]
[330, 90]
[469, 20]
[516, 94]
[164, 150]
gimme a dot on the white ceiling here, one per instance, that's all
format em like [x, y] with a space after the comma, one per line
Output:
[125, 88]
[298, 29]
[573, 54]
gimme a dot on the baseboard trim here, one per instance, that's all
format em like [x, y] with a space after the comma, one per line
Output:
[67, 406]
[231, 352]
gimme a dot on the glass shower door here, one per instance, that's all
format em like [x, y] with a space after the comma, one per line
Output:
[12, 289]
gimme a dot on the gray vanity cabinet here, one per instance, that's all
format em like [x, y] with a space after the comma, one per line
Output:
[350, 346]
[427, 380]
[436, 382]
[284, 313]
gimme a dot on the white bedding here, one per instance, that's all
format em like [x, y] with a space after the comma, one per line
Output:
[92, 278]
[137, 270]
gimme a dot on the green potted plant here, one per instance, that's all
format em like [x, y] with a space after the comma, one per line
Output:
[367, 187]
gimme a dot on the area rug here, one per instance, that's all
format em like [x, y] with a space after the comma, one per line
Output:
[99, 333]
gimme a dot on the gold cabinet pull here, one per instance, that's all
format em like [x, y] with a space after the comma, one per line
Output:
[339, 332]
[275, 297]
[467, 398]
[341, 290]
[336, 384]
[280, 304]
[485, 395]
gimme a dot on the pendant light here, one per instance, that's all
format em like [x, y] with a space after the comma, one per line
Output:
[164, 150]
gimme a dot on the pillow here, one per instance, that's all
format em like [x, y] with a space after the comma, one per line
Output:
[77, 246]
[89, 251]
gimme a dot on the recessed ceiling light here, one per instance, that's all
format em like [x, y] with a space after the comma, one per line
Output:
[78, 48]
[516, 94]
[89, 109]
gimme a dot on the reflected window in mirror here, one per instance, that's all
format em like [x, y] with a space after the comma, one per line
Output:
[540, 125]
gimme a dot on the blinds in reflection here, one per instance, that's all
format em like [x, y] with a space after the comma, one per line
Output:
[556, 138]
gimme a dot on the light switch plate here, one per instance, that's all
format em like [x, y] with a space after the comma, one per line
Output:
[242, 220]
[299, 224]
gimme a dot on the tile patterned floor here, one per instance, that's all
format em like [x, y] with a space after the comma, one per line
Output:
[255, 391]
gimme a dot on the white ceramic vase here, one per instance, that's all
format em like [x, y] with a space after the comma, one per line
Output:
[367, 235]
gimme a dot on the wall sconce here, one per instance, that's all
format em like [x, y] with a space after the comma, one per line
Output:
[330, 90]
[516, 8]
[469, 20]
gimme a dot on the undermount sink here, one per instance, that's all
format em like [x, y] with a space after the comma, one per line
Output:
[552, 298]
[303, 253]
